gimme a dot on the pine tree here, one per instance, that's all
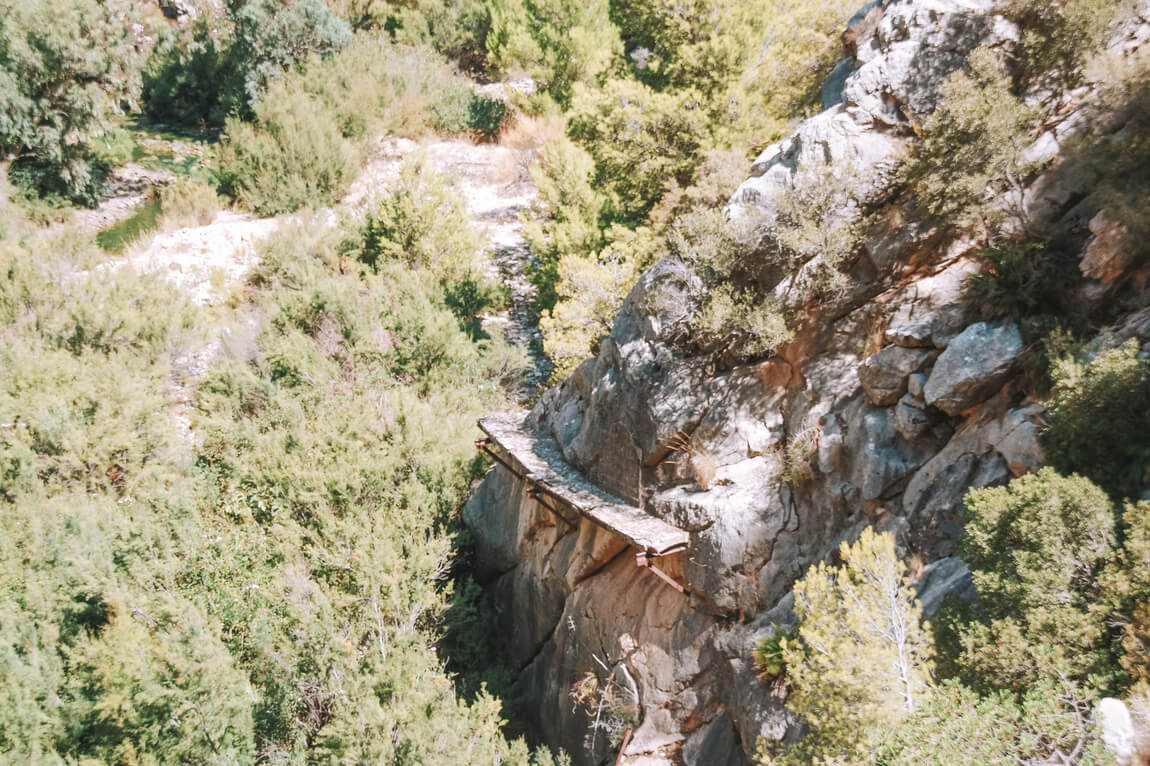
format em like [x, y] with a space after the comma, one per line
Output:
[863, 655]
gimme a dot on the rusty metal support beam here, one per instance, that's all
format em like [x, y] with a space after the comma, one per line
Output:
[623, 747]
[535, 491]
[643, 559]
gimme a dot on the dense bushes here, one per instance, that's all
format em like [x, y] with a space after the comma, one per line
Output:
[558, 42]
[66, 67]
[267, 589]
[291, 157]
[456, 28]
[303, 146]
[1100, 419]
[1036, 549]
[642, 140]
[970, 168]
[221, 67]
[422, 224]
[861, 659]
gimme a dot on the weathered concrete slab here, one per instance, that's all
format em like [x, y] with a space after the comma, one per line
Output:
[536, 457]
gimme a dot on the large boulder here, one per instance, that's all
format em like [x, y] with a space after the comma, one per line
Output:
[884, 375]
[973, 366]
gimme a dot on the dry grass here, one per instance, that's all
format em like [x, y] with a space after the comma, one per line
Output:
[508, 167]
[700, 463]
[798, 456]
[525, 133]
[187, 203]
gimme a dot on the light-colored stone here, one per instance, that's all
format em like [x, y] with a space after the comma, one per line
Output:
[1117, 730]
[975, 364]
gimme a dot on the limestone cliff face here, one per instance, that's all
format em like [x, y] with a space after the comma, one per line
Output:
[896, 395]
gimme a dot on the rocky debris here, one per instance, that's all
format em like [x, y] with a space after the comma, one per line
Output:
[975, 365]
[884, 375]
[503, 90]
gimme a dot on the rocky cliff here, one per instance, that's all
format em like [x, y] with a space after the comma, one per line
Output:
[893, 399]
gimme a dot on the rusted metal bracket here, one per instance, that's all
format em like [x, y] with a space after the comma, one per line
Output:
[623, 747]
[535, 490]
[643, 559]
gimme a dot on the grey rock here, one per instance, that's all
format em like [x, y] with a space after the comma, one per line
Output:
[911, 421]
[948, 576]
[883, 375]
[929, 310]
[1018, 444]
[540, 603]
[915, 384]
[880, 458]
[714, 743]
[975, 365]
[174, 9]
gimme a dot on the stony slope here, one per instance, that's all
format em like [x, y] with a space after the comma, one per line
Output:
[900, 396]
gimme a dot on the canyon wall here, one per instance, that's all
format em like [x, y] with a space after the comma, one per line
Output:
[896, 396]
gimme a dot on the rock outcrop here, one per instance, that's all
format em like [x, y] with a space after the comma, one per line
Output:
[891, 402]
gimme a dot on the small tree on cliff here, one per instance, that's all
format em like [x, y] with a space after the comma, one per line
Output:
[863, 656]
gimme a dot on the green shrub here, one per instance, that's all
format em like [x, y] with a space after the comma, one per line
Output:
[423, 224]
[769, 654]
[1100, 419]
[223, 66]
[558, 42]
[461, 109]
[1036, 549]
[292, 156]
[590, 290]
[457, 29]
[564, 218]
[641, 140]
[750, 324]
[66, 67]
[1058, 37]
[189, 78]
[862, 658]
[958, 726]
[374, 86]
[968, 170]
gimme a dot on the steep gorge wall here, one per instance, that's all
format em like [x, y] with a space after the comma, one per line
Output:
[904, 399]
